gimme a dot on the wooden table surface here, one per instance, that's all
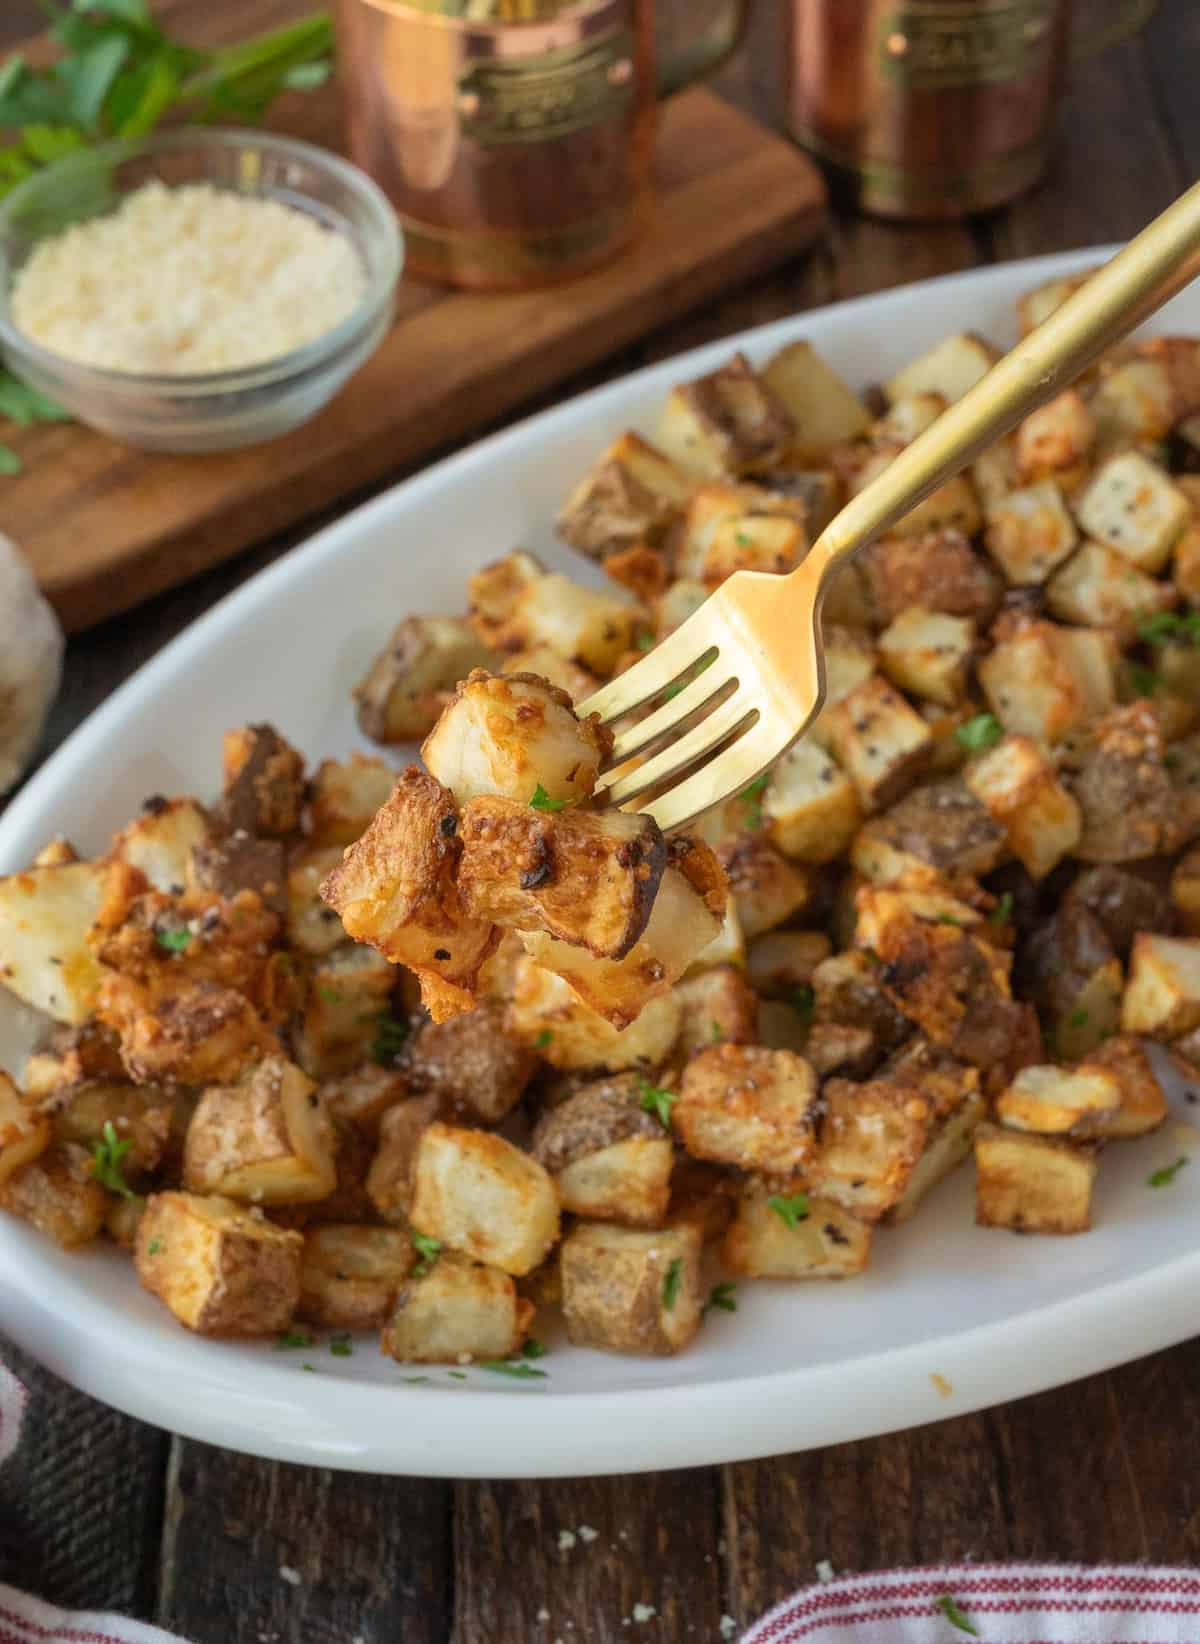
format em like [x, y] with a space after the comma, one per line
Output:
[101, 1511]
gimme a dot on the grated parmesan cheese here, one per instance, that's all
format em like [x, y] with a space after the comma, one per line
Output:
[179, 281]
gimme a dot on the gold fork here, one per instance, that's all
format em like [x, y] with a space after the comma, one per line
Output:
[759, 636]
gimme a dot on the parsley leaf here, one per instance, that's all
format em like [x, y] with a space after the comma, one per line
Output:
[1077, 1019]
[10, 462]
[1002, 912]
[542, 801]
[108, 1156]
[390, 1034]
[722, 1296]
[415, 1381]
[955, 1616]
[173, 940]
[288, 1339]
[653, 1099]
[791, 1211]
[331, 996]
[718, 1032]
[1144, 680]
[428, 1249]
[645, 640]
[1164, 625]
[154, 1248]
[533, 1349]
[670, 1289]
[505, 1367]
[544, 1038]
[804, 1001]
[1168, 1173]
[980, 732]
[342, 1347]
[751, 799]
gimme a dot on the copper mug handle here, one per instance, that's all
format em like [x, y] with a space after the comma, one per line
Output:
[704, 55]
[1128, 16]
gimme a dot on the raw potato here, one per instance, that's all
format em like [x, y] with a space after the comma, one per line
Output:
[746, 1106]
[406, 687]
[457, 1312]
[828, 1243]
[481, 1195]
[628, 1291]
[223, 1270]
[267, 1140]
[350, 1276]
[1032, 1184]
[31, 650]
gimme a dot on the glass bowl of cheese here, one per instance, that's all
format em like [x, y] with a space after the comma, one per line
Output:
[196, 290]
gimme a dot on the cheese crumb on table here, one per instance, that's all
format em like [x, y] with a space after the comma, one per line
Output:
[182, 281]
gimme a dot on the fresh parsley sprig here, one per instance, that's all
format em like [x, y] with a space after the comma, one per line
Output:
[791, 1211]
[428, 1250]
[108, 1161]
[653, 1099]
[980, 732]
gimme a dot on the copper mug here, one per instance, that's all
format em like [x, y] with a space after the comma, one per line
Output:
[937, 108]
[515, 137]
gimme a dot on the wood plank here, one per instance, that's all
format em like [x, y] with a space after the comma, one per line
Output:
[529, 1567]
[259, 1552]
[1172, 44]
[81, 1500]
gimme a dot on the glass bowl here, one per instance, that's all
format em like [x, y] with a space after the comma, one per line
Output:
[219, 410]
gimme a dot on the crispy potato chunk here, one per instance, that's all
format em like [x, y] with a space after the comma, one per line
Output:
[239, 862]
[481, 1195]
[825, 1243]
[953, 506]
[1098, 588]
[872, 1137]
[727, 422]
[1032, 1184]
[784, 960]
[349, 993]
[824, 409]
[719, 1006]
[45, 917]
[1036, 306]
[958, 1104]
[631, 1291]
[264, 782]
[580, 624]
[949, 368]
[24, 1131]
[610, 1159]
[1143, 1105]
[1067, 966]
[362, 1096]
[472, 1063]
[190, 1033]
[390, 1178]
[56, 1193]
[350, 1276]
[411, 679]
[344, 796]
[1132, 506]
[160, 841]
[1162, 995]
[549, 1016]
[221, 1269]
[312, 925]
[1056, 1100]
[1020, 788]
[1129, 805]
[767, 889]
[747, 1106]
[810, 805]
[728, 528]
[882, 743]
[629, 497]
[1030, 532]
[266, 1140]
[508, 735]
[457, 1311]
[492, 592]
[576, 681]
[588, 878]
[1040, 681]
[854, 1023]
[941, 824]
[1055, 441]
[938, 571]
[928, 653]
[139, 1114]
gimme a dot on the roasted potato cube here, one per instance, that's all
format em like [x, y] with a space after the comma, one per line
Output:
[1055, 441]
[472, 1063]
[908, 417]
[928, 653]
[349, 991]
[1130, 807]
[719, 1007]
[680, 601]
[949, 368]
[548, 1015]
[810, 805]
[266, 1140]
[1037, 305]
[362, 1096]
[586, 877]
[1132, 506]
[938, 571]
[1143, 1105]
[56, 1193]
[1057, 1100]
[492, 593]
[344, 796]
[24, 1131]
[312, 925]
[1039, 684]
[390, 1178]
[767, 889]
[508, 735]
[782, 961]
[122, 1220]
[140, 1116]
[45, 917]
[1022, 792]
[240, 862]
[994, 471]
[729, 528]
[1100, 589]
[1067, 966]
[747, 1106]
[850, 660]
[632, 1291]
[350, 1276]
[1162, 994]
[580, 624]
[481, 1195]
[406, 687]
[1124, 901]
[222, 1270]
[959, 1107]
[577, 682]
[1032, 1184]
[728, 946]
[56, 854]
[1030, 532]
[818, 490]
[727, 422]
[1185, 900]
[953, 506]
[881, 742]
[160, 841]
[455, 1312]
[854, 1023]
[629, 497]
[1132, 404]
[611, 1160]
[941, 825]
[872, 1136]
[824, 410]
[825, 1243]
[264, 782]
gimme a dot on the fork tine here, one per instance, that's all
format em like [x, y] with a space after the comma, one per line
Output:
[701, 739]
[729, 774]
[659, 668]
[637, 736]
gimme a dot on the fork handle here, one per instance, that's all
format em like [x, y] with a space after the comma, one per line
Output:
[1152, 268]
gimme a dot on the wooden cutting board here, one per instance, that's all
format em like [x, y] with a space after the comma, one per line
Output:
[106, 527]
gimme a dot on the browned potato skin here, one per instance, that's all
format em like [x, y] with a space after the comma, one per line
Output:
[940, 572]
[56, 1194]
[613, 1287]
[1131, 808]
[564, 872]
[406, 687]
[264, 782]
[767, 889]
[781, 961]
[472, 1063]
[389, 1179]
[364, 1095]
[351, 1275]
[221, 1269]
[599, 1113]
[245, 1141]
[872, 1136]
[240, 862]
[139, 1114]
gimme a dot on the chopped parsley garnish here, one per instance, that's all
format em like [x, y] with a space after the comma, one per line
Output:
[1168, 1173]
[653, 1099]
[542, 801]
[457, 1375]
[331, 996]
[428, 1249]
[670, 1290]
[948, 919]
[954, 1615]
[341, 1347]
[309, 1367]
[544, 1038]
[1171, 760]
[292, 1338]
[173, 940]
[1002, 912]
[743, 539]
[506, 1367]
[722, 1296]
[1144, 680]
[155, 1247]
[751, 799]
[1165, 625]
[804, 1001]
[718, 1032]
[415, 1381]
[980, 732]
[645, 640]
[533, 1349]
[390, 1034]
[108, 1157]
[791, 1212]
[1077, 1019]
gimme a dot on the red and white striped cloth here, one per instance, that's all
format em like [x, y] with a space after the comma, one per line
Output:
[942, 1604]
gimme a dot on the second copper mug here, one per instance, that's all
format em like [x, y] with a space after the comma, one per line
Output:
[515, 137]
